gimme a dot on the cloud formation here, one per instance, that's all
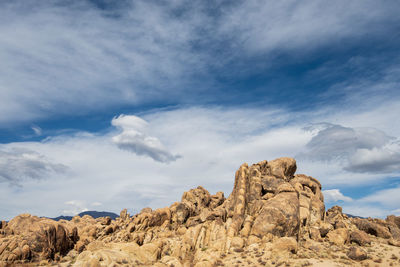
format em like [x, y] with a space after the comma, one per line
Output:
[334, 195]
[88, 58]
[364, 150]
[18, 164]
[213, 142]
[385, 159]
[379, 203]
[135, 138]
[37, 130]
[74, 207]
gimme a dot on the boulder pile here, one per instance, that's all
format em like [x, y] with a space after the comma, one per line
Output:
[273, 216]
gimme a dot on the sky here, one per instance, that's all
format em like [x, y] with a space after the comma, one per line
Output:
[106, 105]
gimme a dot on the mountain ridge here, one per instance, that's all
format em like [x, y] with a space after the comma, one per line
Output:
[93, 213]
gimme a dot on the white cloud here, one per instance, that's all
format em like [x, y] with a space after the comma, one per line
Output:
[377, 204]
[18, 164]
[396, 212]
[390, 198]
[379, 160]
[363, 150]
[359, 209]
[335, 141]
[213, 142]
[37, 130]
[134, 137]
[334, 195]
[86, 59]
[272, 25]
[74, 207]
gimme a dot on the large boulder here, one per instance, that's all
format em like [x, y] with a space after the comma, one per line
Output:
[357, 253]
[372, 227]
[338, 236]
[360, 237]
[30, 238]
[393, 224]
[279, 216]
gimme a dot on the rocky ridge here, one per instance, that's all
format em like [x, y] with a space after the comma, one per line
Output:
[272, 217]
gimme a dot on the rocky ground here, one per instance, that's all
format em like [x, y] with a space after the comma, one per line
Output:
[273, 217]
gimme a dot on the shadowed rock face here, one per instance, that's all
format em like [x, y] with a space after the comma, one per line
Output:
[271, 209]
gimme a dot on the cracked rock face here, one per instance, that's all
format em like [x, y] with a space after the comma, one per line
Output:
[270, 211]
[280, 202]
[29, 238]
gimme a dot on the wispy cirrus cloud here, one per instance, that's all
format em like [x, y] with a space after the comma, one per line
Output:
[84, 56]
[37, 130]
[379, 203]
[63, 58]
[291, 25]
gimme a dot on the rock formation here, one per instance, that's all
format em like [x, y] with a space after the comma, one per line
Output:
[273, 216]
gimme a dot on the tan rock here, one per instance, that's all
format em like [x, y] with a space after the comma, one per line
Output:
[360, 237]
[324, 228]
[285, 244]
[93, 262]
[373, 228]
[338, 236]
[395, 220]
[253, 239]
[203, 264]
[105, 220]
[394, 242]
[357, 253]
[149, 253]
[248, 223]
[80, 246]
[237, 242]
[315, 234]
[270, 214]
[33, 238]
[283, 168]
[394, 230]
[279, 216]
[171, 261]
[124, 214]
[26, 252]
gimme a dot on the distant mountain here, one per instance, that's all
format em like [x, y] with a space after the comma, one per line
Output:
[93, 213]
[97, 214]
[62, 217]
[354, 216]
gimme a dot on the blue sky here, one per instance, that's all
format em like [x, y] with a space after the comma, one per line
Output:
[108, 105]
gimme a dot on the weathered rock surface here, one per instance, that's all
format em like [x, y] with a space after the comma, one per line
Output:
[273, 216]
[29, 238]
[358, 254]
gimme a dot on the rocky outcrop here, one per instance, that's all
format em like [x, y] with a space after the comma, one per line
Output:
[29, 238]
[374, 227]
[272, 213]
